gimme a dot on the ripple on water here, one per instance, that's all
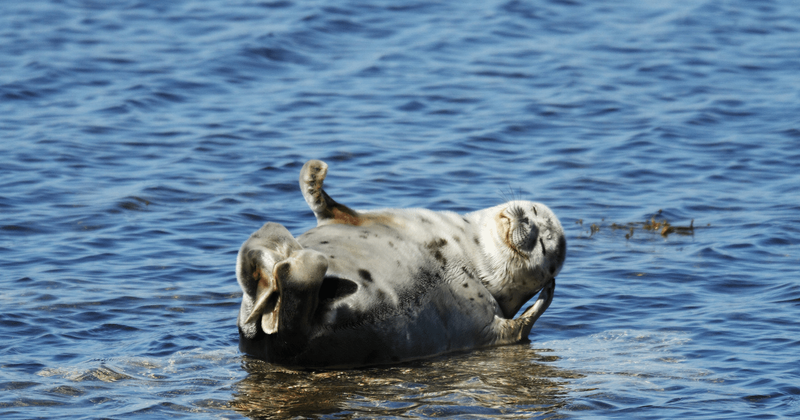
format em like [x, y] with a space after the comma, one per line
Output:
[144, 141]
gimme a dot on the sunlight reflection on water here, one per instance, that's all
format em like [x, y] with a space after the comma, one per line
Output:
[142, 142]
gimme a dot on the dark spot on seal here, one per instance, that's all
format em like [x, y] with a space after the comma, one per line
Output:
[480, 295]
[544, 251]
[381, 295]
[477, 242]
[391, 244]
[323, 242]
[439, 257]
[465, 220]
[467, 272]
[472, 299]
[457, 239]
[534, 210]
[365, 275]
[425, 220]
[332, 257]
[334, 288]
[435, 247]
[364, 234]
[436, 243]
[465, 285]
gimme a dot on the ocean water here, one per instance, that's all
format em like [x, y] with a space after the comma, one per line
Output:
[141, 142]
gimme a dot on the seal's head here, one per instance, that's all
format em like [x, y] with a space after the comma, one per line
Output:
[523, 247]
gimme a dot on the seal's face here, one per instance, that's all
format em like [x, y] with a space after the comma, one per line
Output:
[532, 231]
[519, 231]
[524, 247]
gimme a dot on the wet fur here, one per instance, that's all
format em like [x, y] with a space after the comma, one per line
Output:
[397, 284]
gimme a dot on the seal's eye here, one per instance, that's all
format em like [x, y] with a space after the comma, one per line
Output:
[525, 221]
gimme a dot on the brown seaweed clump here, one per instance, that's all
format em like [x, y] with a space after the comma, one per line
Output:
[661, 226]
[665, 228]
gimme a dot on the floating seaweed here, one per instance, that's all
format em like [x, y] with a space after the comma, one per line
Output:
[661, 226]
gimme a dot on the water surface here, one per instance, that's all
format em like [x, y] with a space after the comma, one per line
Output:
[142, 142]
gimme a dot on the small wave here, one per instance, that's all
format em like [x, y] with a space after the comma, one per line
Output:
[102, 373]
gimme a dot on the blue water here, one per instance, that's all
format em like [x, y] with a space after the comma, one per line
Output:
[141, 142]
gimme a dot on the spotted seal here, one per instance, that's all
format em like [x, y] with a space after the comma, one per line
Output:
[384, 286]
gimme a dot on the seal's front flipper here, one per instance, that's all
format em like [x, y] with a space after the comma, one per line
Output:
[323, 206]
[529, 317]
[516, 330]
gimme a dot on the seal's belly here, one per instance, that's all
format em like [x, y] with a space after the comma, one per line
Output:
[433, 327]
[405, 300]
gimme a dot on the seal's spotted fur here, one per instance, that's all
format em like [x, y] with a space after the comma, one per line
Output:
[383, 286]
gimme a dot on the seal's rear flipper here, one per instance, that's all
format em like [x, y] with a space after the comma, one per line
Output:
[323, 206]
[517, 330]
[255, 264]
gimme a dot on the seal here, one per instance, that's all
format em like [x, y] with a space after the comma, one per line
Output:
[385, 286]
